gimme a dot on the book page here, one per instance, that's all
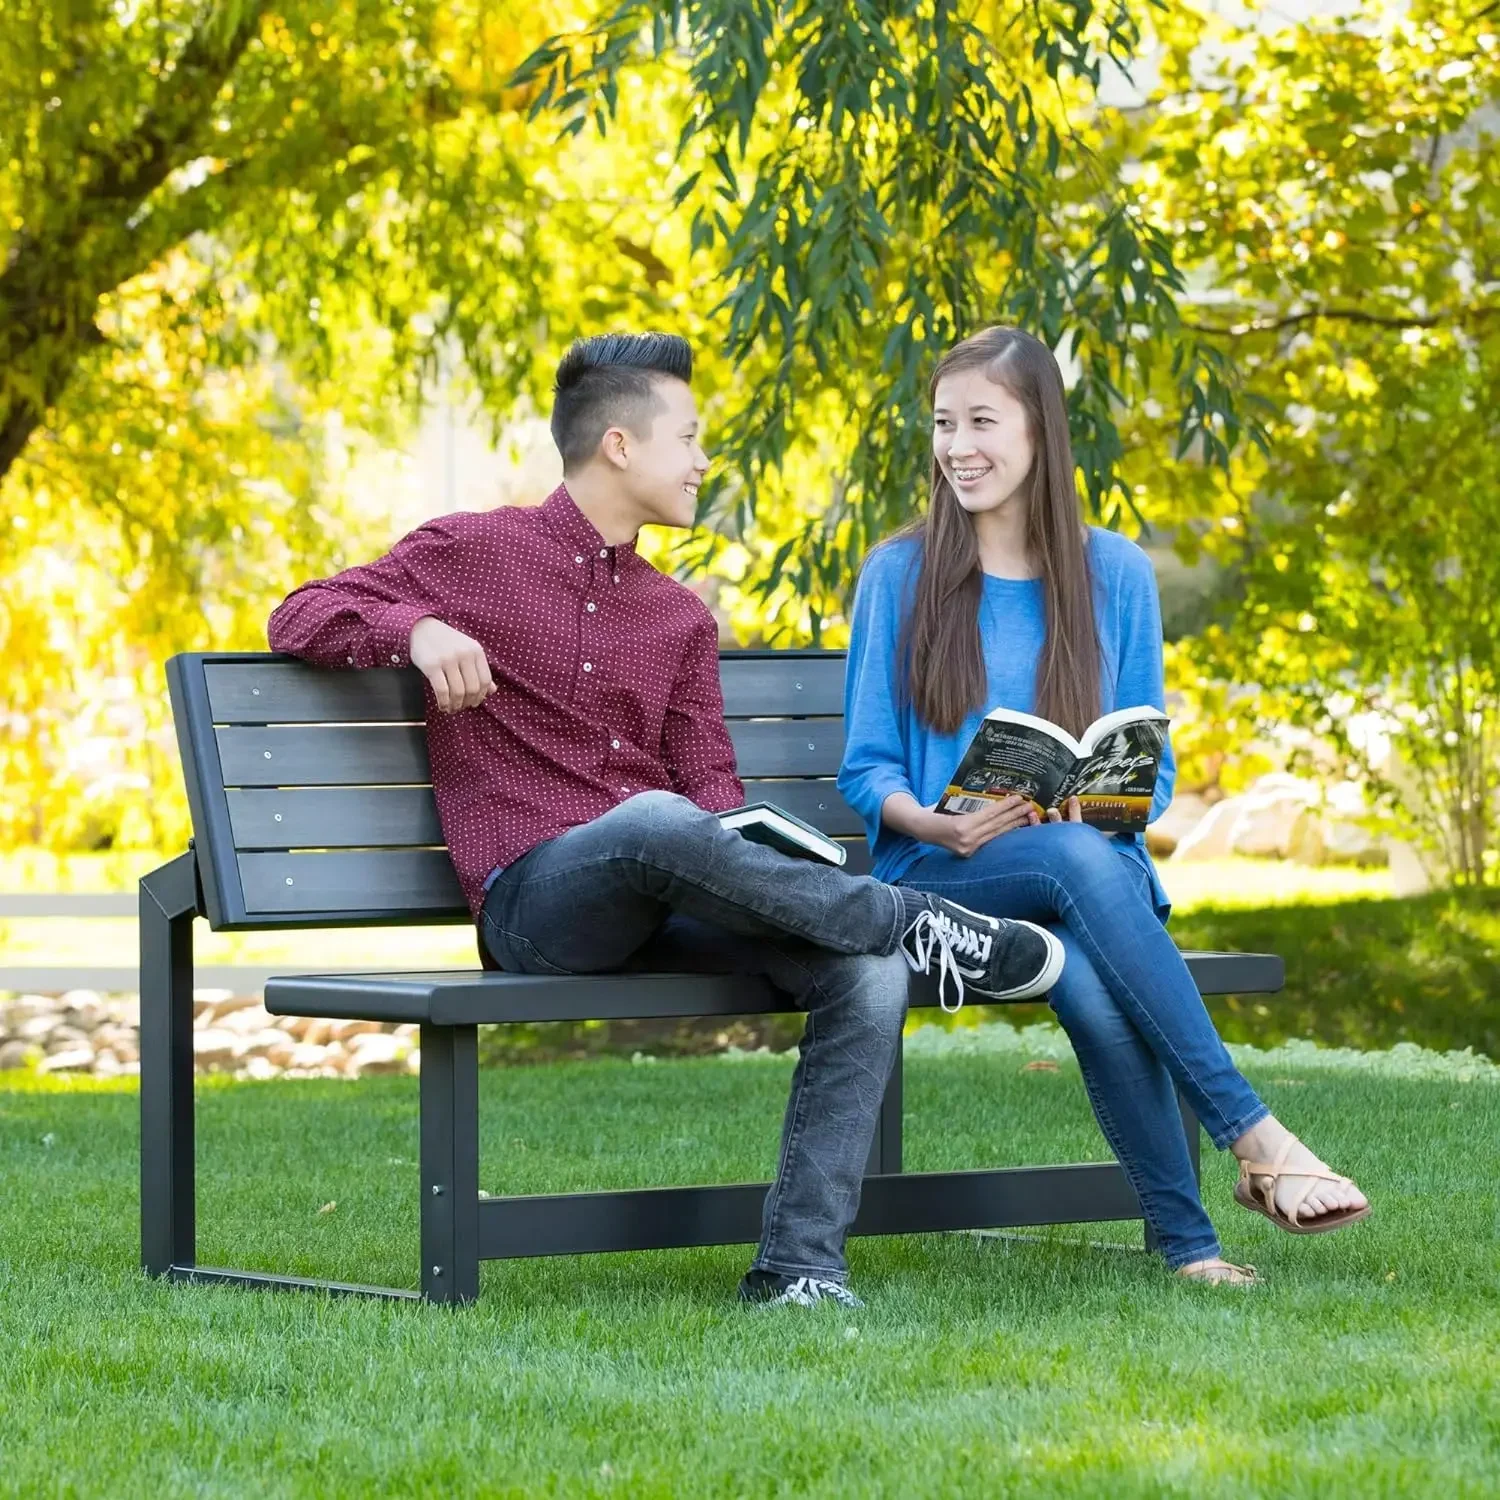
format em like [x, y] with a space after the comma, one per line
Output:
[1116, 784]
[1007, 757]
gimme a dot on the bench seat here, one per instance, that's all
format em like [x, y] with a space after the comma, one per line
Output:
[470, 997]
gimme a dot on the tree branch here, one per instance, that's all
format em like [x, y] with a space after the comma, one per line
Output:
[1344, 315]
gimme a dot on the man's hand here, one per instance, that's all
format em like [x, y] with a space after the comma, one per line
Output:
[965, 833]
[452, 663]
[1074, 810]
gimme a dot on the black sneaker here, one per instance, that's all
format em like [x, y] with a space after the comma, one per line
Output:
[776, 1290]
[999, 958]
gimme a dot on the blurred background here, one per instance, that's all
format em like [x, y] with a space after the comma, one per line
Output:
[280, 281]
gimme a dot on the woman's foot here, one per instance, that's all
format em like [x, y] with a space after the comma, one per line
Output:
[1292, 1187]
[1218, 1272]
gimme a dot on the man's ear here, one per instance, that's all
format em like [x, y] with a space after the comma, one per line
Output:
[615, 445]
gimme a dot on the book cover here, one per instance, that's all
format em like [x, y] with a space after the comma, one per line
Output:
[1112, 769]
[765, 823]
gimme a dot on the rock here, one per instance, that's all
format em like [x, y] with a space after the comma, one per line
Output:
[73, 1060]
[38, 1028]
[25, 1007]
[62, 1037]
[1409, 874]
[342, 1030]
[377, 1052]
[241, 1013]
[106, 1065]
[316, 1030]
[306, 1056]
[1351, 844]
[1209, 839]
[83, 1008]
[213, 1047]
[209, 999]
[18, 1054]
[414, 1061]
[1183, 814]
[245, 1020]
[271, 1039]
[259, 1068]
[1268, 815]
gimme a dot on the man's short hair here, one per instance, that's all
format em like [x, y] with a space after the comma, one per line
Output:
[606, 381]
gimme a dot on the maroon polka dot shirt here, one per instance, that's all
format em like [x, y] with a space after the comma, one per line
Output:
[606, 673]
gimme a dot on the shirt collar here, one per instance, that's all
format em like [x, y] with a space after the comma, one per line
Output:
[574, 529]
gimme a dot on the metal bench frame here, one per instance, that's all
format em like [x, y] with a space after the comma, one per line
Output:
[234, 877]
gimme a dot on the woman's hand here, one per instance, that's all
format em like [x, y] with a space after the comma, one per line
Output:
[965, 833]
[1073, 809]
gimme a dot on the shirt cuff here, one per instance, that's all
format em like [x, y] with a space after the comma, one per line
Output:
[391, 634]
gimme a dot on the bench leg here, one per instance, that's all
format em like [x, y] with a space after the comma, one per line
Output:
[169, 902]
[450, 1163]
[885, 1149]
[1192, 1134]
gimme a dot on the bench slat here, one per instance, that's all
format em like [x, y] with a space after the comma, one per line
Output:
[396, 754]
[395, 880]
[281, 692]
[406, 816]
[334, 817]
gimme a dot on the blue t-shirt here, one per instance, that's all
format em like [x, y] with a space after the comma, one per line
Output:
[889, 749]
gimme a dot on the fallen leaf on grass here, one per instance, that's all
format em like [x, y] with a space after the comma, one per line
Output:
[1041, 1065]
[328, 1208]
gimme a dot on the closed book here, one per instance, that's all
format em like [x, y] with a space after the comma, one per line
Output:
[766, 823]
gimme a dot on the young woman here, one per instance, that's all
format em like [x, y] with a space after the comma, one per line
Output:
[1001, 596]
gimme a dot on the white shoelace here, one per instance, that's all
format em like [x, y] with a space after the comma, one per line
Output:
[929, 935]
[807, 1290]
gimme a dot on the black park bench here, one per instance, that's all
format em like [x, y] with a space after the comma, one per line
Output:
[311, 808]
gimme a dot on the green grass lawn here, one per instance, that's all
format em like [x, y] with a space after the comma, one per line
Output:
[1368, 1365]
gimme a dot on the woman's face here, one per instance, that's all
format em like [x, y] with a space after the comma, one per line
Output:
[981, 438]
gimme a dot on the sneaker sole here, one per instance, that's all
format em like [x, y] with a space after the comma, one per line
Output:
[1050, 974]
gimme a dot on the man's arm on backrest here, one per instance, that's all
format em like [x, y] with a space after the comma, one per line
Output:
[695, 742]
[363, 617]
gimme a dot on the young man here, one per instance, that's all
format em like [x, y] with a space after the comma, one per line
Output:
[579, 756]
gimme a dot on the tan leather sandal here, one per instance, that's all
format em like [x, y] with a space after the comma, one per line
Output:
[1220, 1273]
[1252, 1191]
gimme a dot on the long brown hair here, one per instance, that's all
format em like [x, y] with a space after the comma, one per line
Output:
[945, 675]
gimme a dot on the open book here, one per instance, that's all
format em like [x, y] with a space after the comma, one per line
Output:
[1111, 770]
[766, 823]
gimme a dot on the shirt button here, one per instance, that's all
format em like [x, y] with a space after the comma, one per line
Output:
[588, 666]
[591, 607]
[604, 552]
[614, 744]
[396, 659]
[617, 577]
[625, 790]
[579, 558]
[351, 661]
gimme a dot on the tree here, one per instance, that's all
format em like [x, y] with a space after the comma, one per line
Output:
[876, 182]
[1334, 191]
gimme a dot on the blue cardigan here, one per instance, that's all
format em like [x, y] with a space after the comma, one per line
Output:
[890, 750]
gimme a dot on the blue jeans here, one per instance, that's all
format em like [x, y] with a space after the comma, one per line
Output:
[658, 884]
[1128, 1004]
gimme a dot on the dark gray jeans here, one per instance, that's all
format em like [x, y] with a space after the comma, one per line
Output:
[659, 884]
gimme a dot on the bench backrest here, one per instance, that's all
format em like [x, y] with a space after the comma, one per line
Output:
[311, 798]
